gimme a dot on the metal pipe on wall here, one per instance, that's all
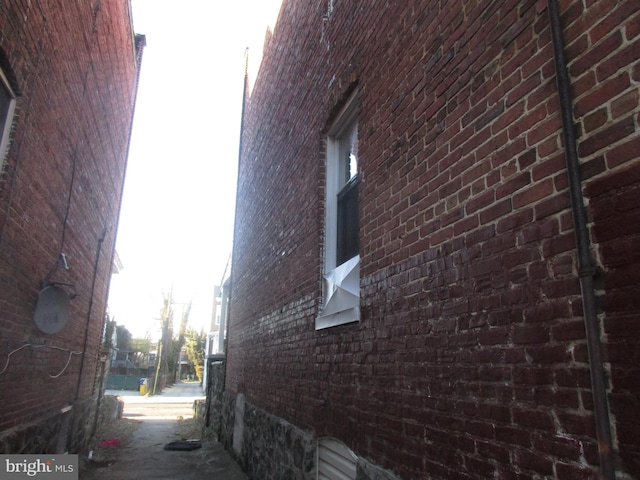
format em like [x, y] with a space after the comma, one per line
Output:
[586, 268]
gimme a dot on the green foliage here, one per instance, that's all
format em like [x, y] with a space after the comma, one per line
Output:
[194, 344]
[142, 345]
[200, 372]
[183, 325]
[109, 326]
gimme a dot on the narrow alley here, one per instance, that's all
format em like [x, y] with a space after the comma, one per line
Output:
[150, 423]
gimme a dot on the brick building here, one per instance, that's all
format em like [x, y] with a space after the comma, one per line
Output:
[68, 80]
[417, 291]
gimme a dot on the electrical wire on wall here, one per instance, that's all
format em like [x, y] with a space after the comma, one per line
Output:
[35, 346]
[66, 213]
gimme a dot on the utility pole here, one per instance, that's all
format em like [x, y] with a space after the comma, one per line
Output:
[166, 317]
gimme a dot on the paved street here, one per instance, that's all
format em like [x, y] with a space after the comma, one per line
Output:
[179, 393]
[162, 420]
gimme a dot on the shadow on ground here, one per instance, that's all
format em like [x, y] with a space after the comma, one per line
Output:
[133, 447]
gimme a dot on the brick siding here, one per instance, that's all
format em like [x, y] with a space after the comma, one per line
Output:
[470, 360]
[74, 67]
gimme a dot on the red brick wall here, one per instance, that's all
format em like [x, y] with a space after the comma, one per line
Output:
[73, 65]
[470, 359]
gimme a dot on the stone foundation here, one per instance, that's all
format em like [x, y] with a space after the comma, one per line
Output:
[111, 408]
[212, 416]
[56, 432]
[227, 418]
[268, 447]
[67, 431]
[274, 448]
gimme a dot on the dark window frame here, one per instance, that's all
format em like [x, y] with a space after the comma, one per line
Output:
[348, 222]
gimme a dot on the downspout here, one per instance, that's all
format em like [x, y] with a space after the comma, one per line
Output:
[586, 267]
[96, 265]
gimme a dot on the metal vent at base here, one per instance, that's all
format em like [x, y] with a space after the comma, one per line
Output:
[335, 460]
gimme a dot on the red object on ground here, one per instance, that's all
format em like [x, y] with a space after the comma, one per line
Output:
[106, 443]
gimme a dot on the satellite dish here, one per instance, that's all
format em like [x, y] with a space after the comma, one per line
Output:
[52, 309]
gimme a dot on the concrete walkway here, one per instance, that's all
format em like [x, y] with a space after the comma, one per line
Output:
[144, 456]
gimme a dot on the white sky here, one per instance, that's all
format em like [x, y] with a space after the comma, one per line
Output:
[176, 224]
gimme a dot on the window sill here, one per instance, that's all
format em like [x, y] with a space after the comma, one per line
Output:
[350, 315]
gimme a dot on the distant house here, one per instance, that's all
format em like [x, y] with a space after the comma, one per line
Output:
[212, 347]
[68, 81]
[435, 266]
[216, 336]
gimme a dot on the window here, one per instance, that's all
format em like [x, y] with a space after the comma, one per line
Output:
[342, 227]
[7, 106]
[347, 234]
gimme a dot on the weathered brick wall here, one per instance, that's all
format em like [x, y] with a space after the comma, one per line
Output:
[607, 106]
[616, 213]
[73, 65]
[470, 359]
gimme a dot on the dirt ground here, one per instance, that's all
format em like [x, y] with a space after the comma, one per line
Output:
[133, 447]
[139, 451]
[122, 430]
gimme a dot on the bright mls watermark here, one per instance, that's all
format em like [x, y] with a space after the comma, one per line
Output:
[50, 467]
